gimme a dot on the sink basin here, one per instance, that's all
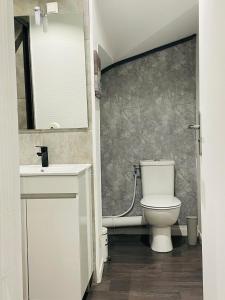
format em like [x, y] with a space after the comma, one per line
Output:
[68, 169]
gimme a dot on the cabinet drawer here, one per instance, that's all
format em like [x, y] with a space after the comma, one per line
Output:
[49, 185]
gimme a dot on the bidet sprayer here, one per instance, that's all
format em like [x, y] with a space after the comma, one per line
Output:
[137, 171]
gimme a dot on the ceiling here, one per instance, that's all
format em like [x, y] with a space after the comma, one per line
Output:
[132, 27]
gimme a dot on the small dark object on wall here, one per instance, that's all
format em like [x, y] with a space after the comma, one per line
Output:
[97, 73]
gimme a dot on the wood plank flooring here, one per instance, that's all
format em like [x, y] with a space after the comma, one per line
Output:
[137, 273]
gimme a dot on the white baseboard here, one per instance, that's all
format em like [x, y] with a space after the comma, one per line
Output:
[177, 230]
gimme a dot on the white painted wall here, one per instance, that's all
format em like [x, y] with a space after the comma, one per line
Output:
[100, 39]
[58, 72]
[212, 106]
[99, 264]
[10, 221]
[97, 188]
[130, 27]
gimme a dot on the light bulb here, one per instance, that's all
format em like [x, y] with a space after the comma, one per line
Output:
[37, 15]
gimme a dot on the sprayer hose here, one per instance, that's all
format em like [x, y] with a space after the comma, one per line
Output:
[132, 204]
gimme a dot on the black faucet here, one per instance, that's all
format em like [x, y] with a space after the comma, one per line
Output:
[44, 155]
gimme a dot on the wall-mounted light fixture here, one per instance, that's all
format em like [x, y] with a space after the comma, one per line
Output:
[41, 16]
[38, 15]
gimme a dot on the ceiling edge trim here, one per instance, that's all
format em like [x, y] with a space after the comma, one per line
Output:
[161, 48]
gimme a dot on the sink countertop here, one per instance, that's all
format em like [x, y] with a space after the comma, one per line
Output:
[59, 169]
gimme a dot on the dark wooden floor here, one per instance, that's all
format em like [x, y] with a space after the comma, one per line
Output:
[137, 273]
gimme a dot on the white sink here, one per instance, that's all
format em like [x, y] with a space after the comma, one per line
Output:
[68, 169]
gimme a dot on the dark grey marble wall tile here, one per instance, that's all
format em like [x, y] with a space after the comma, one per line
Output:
[146, 107]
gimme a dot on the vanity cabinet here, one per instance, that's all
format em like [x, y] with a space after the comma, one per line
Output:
[57, 235]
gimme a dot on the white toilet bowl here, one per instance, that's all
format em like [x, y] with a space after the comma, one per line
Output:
[161, 211]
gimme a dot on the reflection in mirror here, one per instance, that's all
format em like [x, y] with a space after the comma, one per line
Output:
[23, 72]
[51, 78]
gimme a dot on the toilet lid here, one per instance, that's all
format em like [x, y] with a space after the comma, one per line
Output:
[160, 202]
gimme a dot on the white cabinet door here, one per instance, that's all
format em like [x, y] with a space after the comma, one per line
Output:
[53, 249]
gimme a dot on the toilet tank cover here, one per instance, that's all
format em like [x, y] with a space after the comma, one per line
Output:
[157, 163]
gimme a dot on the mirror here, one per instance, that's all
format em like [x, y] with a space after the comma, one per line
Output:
[51, 76]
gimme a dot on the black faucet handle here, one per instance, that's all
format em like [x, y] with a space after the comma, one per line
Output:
[43, 148]
[44, 155]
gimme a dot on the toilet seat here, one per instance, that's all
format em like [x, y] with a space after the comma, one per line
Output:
[160, 202]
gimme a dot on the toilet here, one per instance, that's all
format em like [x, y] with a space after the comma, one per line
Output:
[160, 208]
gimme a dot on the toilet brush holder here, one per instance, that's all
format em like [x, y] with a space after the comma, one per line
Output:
[192, 224]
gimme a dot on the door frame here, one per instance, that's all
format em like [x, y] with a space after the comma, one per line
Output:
[10, 214]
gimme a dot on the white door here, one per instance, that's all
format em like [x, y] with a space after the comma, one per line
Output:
[212, 107]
